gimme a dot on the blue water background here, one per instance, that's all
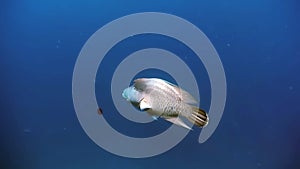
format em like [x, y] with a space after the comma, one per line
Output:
[258, 43]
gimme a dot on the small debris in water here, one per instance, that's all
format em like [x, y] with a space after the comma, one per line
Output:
[100, 112]
[27, 131]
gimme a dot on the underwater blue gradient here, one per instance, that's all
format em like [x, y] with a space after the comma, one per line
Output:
[258, 43]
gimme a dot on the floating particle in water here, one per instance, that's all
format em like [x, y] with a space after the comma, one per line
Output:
[228, 44]
[259, 164]
[100, 112]
[27, 131]
[291, 87]
[58, 42]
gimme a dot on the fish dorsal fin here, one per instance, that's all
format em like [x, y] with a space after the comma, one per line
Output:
[178, 121]
[144, 84]
[185, 96]
[144, 105]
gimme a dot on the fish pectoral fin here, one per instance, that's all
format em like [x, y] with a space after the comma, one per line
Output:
[144, 105]
[155, 117]
[178, 121]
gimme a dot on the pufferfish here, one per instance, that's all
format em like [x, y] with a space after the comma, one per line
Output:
[160, 98]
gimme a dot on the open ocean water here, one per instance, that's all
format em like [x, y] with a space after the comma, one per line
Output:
[258, 43]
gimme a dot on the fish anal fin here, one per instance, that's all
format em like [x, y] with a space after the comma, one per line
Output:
[179, 122]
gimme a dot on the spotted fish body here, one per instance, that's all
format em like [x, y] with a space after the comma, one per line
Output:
[163, 99]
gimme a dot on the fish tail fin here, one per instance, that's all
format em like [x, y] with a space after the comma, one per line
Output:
[199, 117]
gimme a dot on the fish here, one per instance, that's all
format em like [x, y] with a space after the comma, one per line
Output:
[162, 99]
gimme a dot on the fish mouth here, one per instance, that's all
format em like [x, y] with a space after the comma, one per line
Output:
[124, 94]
